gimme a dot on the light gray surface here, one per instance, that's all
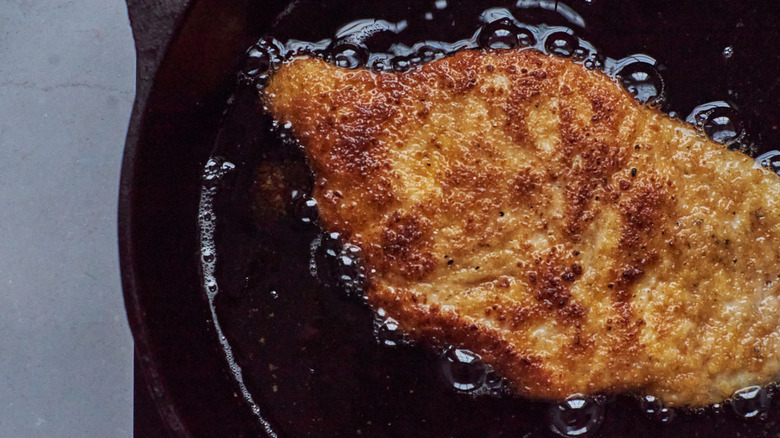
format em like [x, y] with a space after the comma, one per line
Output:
[67, 73]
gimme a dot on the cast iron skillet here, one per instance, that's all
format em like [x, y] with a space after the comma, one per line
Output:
[177, 115]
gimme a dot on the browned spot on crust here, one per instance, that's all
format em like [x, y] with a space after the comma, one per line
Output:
[406, 243]
[551, 281]
[593, 161]
[640, 213]
[603, 104]
[525, 182]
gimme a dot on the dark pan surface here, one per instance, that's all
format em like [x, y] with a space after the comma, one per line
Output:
[172, 138]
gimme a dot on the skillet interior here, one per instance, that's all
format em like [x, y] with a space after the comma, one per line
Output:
[174, 134]
[169, 140]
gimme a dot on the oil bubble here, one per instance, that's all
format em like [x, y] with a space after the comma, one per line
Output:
[462, 369]
[415, 60]
[654, 409]
[561, 44]
[401, 63]
[721, 122]
[211, 285]
[207, 255]
[494, 381]
[428, 53]
[388, 333]
[304, 208]
[258, 62]
[751, 402]
[525, 38]
[346, 55]
[331, 244]
[722, 126]
[381, 65]
[728, 52]
[501, 34]
[577, 416]
[580, 54]
[596, 61]
[643, 81]
[348, 267]
[769, 160]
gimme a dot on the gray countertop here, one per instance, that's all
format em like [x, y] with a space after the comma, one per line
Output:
[67, 73]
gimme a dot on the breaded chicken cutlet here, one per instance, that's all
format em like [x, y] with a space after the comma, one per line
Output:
[530, 210]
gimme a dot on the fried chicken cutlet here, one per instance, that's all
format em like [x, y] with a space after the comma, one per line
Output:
[530, 210]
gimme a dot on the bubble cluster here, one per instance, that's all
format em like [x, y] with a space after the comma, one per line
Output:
[596, 61]
[577, 416]
[337, 263]
[261, 60]
[580, 54]
[349, 270]
[373, 43]
[215, 169]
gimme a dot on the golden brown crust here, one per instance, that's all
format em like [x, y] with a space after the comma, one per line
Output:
[530, 210]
